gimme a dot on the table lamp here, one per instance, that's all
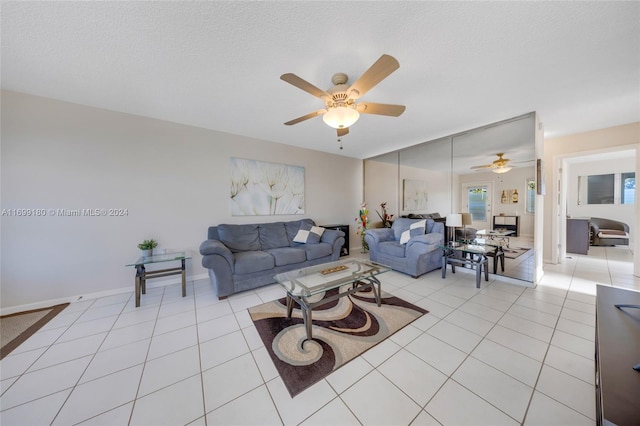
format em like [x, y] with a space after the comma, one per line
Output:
[453, 220]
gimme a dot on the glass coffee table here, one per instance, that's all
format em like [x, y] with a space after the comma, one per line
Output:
[348, 276]
[501, 236]
[142, 275]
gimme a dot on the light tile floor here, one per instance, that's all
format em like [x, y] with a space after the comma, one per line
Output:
[502, 354]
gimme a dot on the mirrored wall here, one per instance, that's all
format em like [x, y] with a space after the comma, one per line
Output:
[487, 171]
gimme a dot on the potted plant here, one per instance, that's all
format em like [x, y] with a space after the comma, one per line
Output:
[147, 247]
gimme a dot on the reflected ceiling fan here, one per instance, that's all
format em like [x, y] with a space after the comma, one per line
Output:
[498, 166]
[341, 109]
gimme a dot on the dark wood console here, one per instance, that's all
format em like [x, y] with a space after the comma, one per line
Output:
[617, 351]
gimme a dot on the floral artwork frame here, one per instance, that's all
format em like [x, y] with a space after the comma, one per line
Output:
[262, 188]
[414, 195]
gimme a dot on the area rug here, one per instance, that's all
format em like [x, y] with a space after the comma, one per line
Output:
[514, 252]
[18, 327]
[342, 330]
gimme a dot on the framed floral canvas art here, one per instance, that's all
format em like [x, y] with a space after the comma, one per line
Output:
[262, 188]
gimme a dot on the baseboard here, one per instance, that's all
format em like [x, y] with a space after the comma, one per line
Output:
[90, 296]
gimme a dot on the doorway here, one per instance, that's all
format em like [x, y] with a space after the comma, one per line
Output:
[477, 200]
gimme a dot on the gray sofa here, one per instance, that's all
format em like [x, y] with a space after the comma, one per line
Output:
[244, 257]
[419, 255]
[608, 232]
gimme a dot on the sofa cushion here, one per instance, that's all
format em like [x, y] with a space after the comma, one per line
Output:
[273, 235]
[612, 233]
[294, 226]
[309, 236]
[316, 251]
[287, 255]
[240, 237]
[392, 248]
[414, 229]
[247, 262]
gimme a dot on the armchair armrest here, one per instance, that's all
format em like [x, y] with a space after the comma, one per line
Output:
[379, 235]
[423, 244]
[433, 238]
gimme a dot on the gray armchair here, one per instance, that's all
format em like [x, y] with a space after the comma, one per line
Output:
[417, 256]
[608, 232]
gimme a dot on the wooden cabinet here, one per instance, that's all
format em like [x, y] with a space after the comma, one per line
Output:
[510, 223]
[344, 228]
[617, 352]
[578, 235]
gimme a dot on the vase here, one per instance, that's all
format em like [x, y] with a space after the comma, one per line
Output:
[147, 253]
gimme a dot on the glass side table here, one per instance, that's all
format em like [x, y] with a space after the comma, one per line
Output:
[142, 275]
[455, 254]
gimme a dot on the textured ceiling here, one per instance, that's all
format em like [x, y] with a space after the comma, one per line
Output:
[217, 64]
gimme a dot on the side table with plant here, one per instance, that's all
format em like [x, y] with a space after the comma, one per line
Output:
[147, 247]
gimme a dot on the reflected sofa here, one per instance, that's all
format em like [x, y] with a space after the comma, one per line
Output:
[244, 257]
[418, 255]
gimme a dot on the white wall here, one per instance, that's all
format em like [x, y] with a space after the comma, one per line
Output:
[623, 213]
[172, 179]
[438, 187]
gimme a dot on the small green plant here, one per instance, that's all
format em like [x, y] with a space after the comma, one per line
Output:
[147, 245]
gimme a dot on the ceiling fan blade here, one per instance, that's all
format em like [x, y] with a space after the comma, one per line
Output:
[486, 166]
[343, 131]
[380, 109]
[374, 75]
[304, 85]
[305, 117]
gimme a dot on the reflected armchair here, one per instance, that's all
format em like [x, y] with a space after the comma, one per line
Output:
[415, 253]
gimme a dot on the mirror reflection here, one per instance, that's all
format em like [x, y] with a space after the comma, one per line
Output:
[487, 175]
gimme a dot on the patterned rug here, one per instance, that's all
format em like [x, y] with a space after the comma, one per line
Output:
[342, 330]
[18, 327]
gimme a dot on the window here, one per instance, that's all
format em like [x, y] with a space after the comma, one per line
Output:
[477, 200]
[530, 196]
[611, 188]
[628, 184]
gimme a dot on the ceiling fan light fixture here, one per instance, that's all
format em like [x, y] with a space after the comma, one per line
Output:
[502, 169]
[341, 117]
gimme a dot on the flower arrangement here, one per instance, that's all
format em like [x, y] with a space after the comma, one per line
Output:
[363, 222]
[385, 217]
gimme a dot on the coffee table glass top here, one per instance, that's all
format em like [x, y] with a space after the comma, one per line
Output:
[306, 282]
[495, 233]
[470, 248]
[159, 258]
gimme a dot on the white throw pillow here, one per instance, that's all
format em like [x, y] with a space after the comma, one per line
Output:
[416, 228]
[309, 236]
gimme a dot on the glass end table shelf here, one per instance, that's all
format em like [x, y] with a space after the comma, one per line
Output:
[142, 275]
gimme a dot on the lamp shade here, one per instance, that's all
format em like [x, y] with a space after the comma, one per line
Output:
[503, 169]
[340, 117]
[467, 219]
[454, 219]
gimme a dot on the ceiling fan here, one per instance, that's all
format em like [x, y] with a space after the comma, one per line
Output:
[341, 109]
[498, 166]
